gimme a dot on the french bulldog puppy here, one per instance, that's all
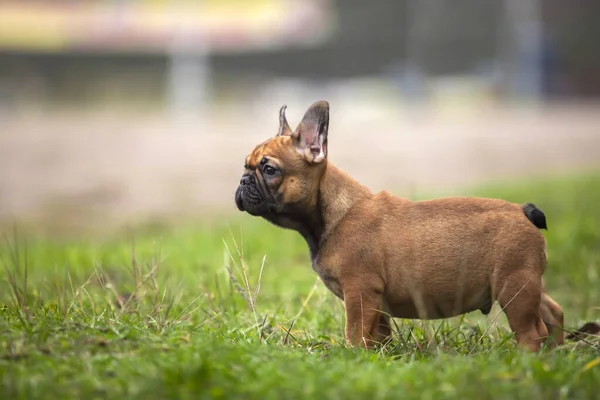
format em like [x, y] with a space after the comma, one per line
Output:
[388, 256]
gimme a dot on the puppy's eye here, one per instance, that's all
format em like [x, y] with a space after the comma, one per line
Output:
[269, 170]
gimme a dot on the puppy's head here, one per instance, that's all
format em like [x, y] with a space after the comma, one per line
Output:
[282, 174]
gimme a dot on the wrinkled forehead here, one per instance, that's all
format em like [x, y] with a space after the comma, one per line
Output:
[274, 147]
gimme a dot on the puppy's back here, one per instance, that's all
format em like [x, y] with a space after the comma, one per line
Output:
[456, 221]
[464, 206]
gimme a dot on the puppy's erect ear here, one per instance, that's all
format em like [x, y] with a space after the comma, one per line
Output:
[310, 138]
[284, 127]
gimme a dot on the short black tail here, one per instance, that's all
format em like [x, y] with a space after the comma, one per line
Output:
[535, 215]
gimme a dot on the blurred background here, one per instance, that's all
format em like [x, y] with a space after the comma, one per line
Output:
[120, 111]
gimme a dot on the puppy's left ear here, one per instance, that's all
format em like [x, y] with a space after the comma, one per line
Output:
[310, 138]
[284, 127]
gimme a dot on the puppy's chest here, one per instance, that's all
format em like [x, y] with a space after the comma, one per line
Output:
[329, 278]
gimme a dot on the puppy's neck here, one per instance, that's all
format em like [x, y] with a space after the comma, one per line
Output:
[338, 193]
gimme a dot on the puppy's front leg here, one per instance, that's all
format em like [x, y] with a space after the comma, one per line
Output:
[362, 316]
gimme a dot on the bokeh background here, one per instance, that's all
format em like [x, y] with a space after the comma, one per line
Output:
[129, 111]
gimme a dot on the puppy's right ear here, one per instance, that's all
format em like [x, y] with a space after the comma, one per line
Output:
[284, 127]
[310, 137]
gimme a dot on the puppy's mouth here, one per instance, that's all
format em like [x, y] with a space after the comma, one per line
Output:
[248, 199]
[239, 202]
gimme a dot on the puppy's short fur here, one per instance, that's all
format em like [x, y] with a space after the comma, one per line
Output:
[410, 259]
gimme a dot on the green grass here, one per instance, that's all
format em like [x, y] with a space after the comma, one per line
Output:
[206, 321]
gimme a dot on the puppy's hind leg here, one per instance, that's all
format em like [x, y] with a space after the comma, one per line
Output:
[553, 317]
[520, 299]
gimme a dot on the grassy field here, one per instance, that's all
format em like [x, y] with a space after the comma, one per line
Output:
[232, 309]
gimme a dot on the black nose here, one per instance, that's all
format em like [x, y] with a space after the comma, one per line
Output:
[246, 180]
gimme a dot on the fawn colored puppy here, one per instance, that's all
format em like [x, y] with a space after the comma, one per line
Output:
[388, 256]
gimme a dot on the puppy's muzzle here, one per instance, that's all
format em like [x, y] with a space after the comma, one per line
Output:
[248, 197]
